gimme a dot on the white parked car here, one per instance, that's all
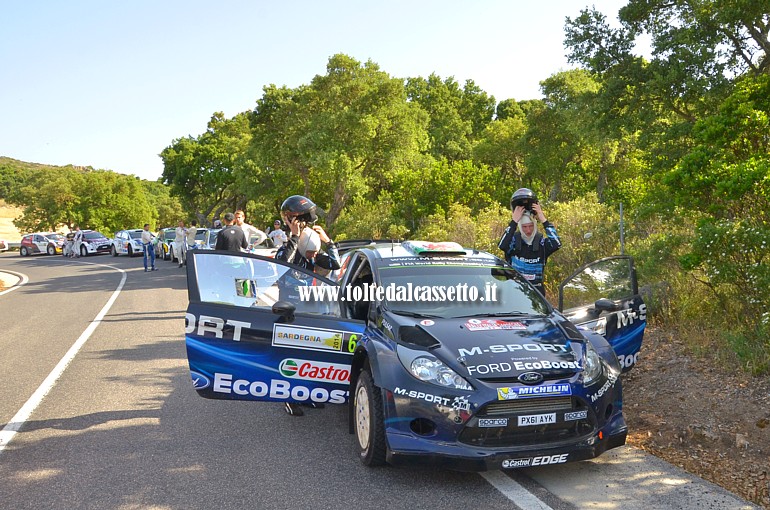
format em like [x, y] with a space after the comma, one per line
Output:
[3, 245]
[127, 242]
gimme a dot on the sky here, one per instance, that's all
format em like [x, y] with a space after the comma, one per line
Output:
[110, 84]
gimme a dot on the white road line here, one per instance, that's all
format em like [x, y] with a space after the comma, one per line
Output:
[512, 490]
[7, 434]
[23, 279]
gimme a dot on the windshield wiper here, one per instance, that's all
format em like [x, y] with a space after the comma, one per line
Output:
[514, 313]
[414, 314]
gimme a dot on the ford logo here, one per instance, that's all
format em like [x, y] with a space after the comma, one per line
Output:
[199, 380]
[530, 378]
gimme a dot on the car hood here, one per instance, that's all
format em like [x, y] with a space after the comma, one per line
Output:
[502, 348]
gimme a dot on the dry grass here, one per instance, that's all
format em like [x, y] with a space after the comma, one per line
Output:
[7, 229]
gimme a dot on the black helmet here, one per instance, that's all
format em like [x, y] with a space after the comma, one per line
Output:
[302, 207]
[524, 197]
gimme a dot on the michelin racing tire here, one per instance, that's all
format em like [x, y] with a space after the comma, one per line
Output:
[51, 250]
[113, 251]
[369, 423]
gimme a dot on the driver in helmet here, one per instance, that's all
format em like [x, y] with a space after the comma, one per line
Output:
[303, 249]
[525, 248]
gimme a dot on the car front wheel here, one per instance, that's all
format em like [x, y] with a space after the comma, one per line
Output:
[23, 251]
[130, 252]
[51, 249]
[113, 251]
[83, 251]
[370, 425]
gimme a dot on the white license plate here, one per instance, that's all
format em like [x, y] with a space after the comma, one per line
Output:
[537, 419]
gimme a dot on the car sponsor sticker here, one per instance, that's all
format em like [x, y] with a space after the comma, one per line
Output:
[576, 415]
[611, 378]
[493, 422]
[200, 381]
[315, 371]
[490, 324]
[549, 390]
[276, 389]
[313, 339]
[426, 322]
[537, 419]
[536, 461]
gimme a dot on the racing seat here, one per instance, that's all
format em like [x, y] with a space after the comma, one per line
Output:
[359, 309]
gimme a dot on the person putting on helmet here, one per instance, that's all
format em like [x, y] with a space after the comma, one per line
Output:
[303, 249]
[526, 249]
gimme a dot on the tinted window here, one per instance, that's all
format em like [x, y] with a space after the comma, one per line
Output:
[135, 235]
[93, 235]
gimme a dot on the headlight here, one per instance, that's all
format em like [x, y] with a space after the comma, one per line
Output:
[592, 365]
[432, 370]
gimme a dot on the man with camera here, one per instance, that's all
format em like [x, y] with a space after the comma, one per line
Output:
[525, 248]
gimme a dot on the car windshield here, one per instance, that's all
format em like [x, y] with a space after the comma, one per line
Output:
[55, 237]
[460, 291]
[93, 235]
[200, 235]
[169, 235]
[136, 234]
[213, 238]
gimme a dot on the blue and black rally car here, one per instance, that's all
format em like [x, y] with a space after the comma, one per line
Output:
[445, 356]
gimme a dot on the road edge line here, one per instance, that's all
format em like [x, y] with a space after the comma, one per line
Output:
[15, 424]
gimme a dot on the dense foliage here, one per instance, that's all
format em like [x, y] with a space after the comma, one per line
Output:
[678, 136]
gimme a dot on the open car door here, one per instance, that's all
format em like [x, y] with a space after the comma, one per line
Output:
[604, 296]
[252, 333]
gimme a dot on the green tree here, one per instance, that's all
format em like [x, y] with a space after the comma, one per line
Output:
[203, 172]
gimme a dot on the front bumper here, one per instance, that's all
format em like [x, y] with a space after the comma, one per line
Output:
[406, 449]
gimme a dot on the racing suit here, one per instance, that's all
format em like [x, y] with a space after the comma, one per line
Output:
[529, 260]
[322, 263]
[292, 280]
[180, 248]
[149, 250]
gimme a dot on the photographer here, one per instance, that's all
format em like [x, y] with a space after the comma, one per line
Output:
[525, 248]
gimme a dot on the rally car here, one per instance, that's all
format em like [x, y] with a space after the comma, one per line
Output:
[94, 243]
[445, 356]
[41, 242]
[127, 242]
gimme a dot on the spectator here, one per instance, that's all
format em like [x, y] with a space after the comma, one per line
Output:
[231, 237]
[277, 235]
[249, 230]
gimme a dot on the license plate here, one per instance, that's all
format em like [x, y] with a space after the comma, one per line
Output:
[537, 419]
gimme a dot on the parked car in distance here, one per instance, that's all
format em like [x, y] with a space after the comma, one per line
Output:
[49, 243]
[163, 243]
[94, 243]
[3, 245]
[127, 242]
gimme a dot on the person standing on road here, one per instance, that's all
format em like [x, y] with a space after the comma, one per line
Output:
[149, 248]
[231, 237]
[180, 234]
[77, 242]
[277, 235]
[303, 249]
[249, 230]
[526, 249]
[191, 233]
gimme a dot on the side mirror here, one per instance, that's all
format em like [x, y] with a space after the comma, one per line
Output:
[285, 310]
[605, 305]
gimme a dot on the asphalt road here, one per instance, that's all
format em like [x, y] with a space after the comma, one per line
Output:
[122, 428]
